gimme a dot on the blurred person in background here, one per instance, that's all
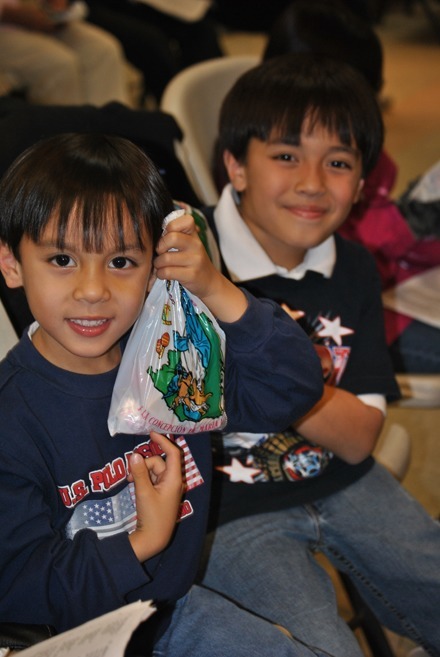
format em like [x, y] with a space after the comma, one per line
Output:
[50, 53]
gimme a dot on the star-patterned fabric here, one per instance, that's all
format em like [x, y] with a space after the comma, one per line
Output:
[334, 295]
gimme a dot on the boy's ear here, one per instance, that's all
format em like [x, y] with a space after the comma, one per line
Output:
[236, 171]
[361, 184]
[152, 279]
[10, 267]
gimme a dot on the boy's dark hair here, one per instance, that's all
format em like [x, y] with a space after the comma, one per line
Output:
[92, 174]
[328, 27]
[276, 97]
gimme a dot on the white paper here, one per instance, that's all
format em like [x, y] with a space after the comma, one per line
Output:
[105, 636]
[187, 10]
[8, 337]
[418, 297]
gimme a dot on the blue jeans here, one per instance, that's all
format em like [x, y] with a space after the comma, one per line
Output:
[205, 624]
[417, 350]
[373, 530]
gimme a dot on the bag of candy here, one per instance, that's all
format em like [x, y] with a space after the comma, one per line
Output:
[171, 374]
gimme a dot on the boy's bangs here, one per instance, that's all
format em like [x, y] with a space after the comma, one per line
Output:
[99, 220]
[335, 120]
[101, 190]
[288, 124]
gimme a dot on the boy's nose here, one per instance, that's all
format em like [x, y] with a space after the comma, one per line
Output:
[309, 180]
[91, 286]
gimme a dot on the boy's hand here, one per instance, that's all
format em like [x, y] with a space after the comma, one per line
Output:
[181, 256]
[159, 488]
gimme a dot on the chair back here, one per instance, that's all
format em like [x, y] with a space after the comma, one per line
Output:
[419, 390]
[194, 97]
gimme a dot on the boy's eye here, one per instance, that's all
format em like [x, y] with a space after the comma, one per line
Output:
[285, 157]
[340, 164]
[62, 260]
[121, 262]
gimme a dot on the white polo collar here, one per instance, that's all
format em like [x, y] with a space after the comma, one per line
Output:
[236, 240]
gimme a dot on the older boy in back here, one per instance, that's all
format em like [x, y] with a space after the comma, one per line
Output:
[298, 135]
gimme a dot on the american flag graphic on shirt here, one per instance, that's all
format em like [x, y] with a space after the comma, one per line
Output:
[112, 515]
[193, 477]
[106, 517]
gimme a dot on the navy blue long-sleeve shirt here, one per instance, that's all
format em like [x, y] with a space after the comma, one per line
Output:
[65, 504]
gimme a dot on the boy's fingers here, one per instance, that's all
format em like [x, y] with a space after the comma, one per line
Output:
[174, 241]
[155, 466]
[183, 224]
[294, 314]
[144, 470]
[173, 453]
[171, 450]
[138, 470]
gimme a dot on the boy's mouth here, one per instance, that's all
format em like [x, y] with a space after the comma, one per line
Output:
[308, 211]
[89, 327]
[88, 322]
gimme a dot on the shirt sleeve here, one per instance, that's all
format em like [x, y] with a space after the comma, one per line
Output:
[67, 581]
[369, 369]
[273, 374]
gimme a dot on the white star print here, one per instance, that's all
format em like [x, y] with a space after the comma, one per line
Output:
[238, 472]
[333, 329]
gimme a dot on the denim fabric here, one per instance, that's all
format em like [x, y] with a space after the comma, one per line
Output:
[205, 624]
[373, 530]
[417, 349]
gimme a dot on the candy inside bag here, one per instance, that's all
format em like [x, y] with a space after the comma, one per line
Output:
[171, 376]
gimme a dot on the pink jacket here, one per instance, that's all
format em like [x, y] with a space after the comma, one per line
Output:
[377, 223]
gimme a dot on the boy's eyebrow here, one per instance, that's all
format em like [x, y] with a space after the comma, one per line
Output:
[352, 150]
[53, 244]
[286, 141]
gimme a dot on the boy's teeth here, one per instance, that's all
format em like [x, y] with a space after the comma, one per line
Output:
[88, 322]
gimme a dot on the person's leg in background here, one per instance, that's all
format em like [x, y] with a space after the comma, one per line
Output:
[45, 69]
[101, 63]
[417, 349]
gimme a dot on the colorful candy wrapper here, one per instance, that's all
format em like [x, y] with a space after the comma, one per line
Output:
[171, 376]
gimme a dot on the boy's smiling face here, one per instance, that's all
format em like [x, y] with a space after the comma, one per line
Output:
[83, 301]
[294, 197]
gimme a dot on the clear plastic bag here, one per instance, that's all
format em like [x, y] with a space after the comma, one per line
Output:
[171, 374]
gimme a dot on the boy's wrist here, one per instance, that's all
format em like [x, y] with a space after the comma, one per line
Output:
[146, 547]
[226, 301]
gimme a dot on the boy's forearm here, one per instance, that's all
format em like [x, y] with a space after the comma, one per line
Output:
[226, 301]
[343, 424]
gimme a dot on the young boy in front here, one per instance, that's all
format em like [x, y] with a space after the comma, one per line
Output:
[88, 523]
[298, 135]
